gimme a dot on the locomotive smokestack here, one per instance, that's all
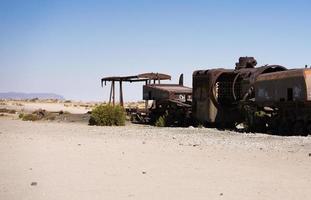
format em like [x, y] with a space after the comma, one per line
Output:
[181, 79]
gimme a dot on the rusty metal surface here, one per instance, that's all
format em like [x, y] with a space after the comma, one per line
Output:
[282, 74]
[154, 76]
[165, 91]
[285, 86]
[204, 104]
[307, 74]
[217, 92]
[245, 62]
[138, 78]
[172, 88]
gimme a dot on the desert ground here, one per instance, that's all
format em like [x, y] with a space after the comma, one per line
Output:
[71, 160]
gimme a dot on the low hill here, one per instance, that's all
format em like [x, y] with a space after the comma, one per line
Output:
[22, 96]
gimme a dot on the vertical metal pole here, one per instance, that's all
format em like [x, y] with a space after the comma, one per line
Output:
[121, 94]
[146, 105]
[110, 94]
[146, 101]
[113, 94]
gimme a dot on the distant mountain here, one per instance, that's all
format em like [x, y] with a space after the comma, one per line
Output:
[21, 96]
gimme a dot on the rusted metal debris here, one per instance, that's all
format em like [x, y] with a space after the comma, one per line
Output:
[172, 101]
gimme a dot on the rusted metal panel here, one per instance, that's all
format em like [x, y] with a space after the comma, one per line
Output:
[165, 91]
[204, 104]
[281, 75]
[173, 88]
[137, 78]
[307, 75]
[285, 86]
[154, 76]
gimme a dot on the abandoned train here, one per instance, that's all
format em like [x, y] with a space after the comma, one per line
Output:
[270, 98]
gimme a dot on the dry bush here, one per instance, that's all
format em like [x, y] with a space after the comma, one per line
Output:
[30, 117]
[37, 115]
[9, 111]
[21, 115]
[161, 121]
[107, 115]
[34, 100]
[50, 117]
[41, 113]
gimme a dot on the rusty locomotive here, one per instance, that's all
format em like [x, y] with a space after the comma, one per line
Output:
[269, 98]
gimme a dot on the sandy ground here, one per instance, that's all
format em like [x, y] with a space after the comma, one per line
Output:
[52, 107]
[50, 160]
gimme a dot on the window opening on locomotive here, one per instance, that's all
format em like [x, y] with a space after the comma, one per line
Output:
[289, 94]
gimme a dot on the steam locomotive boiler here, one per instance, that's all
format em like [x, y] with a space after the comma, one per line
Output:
[270, 98]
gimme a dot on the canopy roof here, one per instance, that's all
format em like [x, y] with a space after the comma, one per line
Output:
[137, 78]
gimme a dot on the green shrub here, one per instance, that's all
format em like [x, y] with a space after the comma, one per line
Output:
[30, 117]
[21, 115]
[161, 121]
[107, 115]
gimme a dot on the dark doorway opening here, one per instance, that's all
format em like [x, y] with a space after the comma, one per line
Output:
[289, 94]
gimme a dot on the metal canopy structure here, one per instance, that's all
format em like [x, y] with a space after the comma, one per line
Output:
[146, 77]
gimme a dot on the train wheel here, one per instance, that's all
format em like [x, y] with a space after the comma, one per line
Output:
[298, 128]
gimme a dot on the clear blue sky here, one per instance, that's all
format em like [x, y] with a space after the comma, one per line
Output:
[65, 46]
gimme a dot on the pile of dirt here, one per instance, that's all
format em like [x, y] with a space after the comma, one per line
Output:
[60, 116]
[8, 111]
[39, 114]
